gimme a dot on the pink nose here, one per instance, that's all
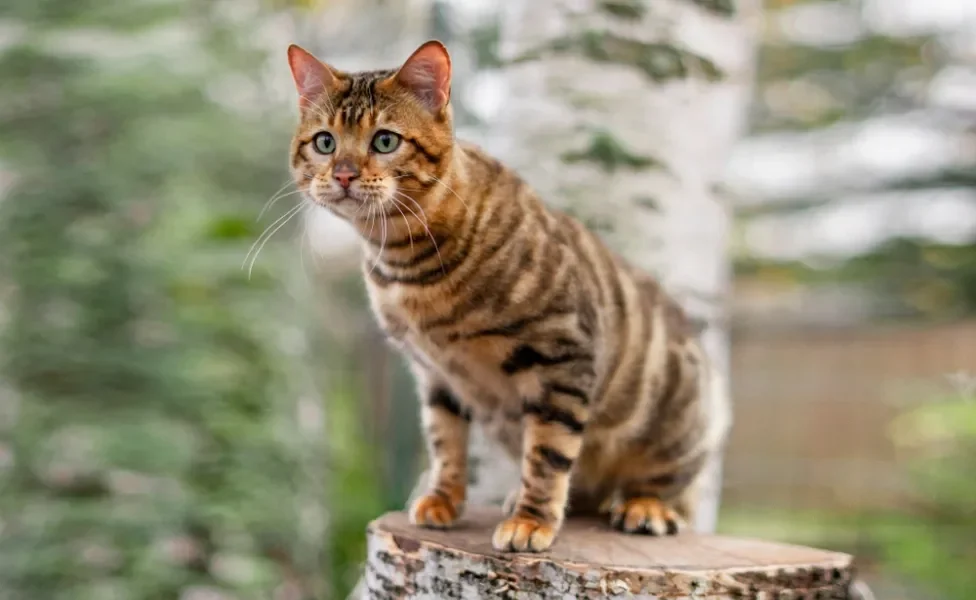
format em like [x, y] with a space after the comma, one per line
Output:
[345, 173]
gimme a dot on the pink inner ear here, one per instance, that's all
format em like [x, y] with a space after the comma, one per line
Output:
[312, 78]
[427, 73]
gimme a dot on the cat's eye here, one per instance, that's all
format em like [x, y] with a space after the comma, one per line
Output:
[385, 142]
[324, 143]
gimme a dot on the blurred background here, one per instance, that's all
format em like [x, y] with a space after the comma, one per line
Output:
[173, 425]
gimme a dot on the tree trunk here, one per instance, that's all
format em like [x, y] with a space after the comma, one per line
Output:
[590, 560]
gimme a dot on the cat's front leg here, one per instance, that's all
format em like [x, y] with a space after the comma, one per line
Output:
[554, 417]
[446, 422]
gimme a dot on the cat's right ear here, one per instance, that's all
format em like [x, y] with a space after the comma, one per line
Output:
[427, 73]
[312, 77]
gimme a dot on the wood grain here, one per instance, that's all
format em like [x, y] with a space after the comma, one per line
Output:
[589, 560]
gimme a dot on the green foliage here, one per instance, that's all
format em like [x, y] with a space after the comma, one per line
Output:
[609, 154]
[356, 499]
[726, 8]
[660, 62]
[150, 449]
[648, 202]
[854, 78]
[917, 278]
[624, 9]
[929, 279]
[809, 87]
[938, 440]
[873, 57]
[933, 544]
[484, 40]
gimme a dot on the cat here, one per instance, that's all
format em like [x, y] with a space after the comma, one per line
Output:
[509, 313]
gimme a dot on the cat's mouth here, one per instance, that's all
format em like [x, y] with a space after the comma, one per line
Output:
[340, 198]
[345, 203]
[359, 196]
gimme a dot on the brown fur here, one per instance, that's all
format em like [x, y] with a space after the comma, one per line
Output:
[510, 314]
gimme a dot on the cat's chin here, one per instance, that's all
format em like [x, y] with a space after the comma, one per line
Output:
[345, 208]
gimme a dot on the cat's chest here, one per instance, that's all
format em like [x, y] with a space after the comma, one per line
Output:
[477, 360]
[472, 367]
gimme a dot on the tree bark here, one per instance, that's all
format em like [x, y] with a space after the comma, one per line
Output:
[591, 561]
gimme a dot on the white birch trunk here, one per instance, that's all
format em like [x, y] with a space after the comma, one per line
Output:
[625, 112]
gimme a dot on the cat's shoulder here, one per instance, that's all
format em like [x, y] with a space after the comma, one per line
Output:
[475, 154]
[471, 149]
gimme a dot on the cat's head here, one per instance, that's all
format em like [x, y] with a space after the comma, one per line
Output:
[367, 139]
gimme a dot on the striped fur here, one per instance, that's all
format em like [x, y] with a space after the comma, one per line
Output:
[512, 315]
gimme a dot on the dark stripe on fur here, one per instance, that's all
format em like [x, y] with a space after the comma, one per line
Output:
[556, 459]
[508, 329]
[442, 398]
[431, 157]
[425, 277]
[416, 258]
[525, 357]
[672, 378]
[569, 390]
[532, 511]
[546, 413]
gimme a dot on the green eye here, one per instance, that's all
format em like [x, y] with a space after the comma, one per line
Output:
[385, 141]
[324, 143]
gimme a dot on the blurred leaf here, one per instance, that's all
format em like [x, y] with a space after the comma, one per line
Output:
[232, 228]
[150, 449]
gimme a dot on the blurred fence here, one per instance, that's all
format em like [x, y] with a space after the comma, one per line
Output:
[813, 407]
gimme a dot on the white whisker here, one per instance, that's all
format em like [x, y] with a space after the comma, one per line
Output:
[423, 221]
[363, 205]
[318, 107]
[452, 191]
[274, 198]
[379, 255]
[283, 220]
[369, 236]
[396, 204]
[422, 216]
[263, 233]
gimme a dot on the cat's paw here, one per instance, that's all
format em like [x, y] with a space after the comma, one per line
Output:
[436, 510]
[523, 534]
[648, 515]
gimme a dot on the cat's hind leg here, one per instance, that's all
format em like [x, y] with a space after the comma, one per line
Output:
[660, 505]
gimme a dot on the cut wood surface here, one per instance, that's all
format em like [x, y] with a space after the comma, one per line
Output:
[590, 560]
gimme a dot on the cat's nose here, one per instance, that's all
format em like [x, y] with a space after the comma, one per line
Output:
[344, 172]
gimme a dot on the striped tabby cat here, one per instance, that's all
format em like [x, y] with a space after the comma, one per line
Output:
[510, 314]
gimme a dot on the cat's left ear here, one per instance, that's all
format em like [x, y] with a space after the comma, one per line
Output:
[427, 73]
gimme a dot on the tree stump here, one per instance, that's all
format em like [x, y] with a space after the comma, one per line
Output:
[590, 560]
